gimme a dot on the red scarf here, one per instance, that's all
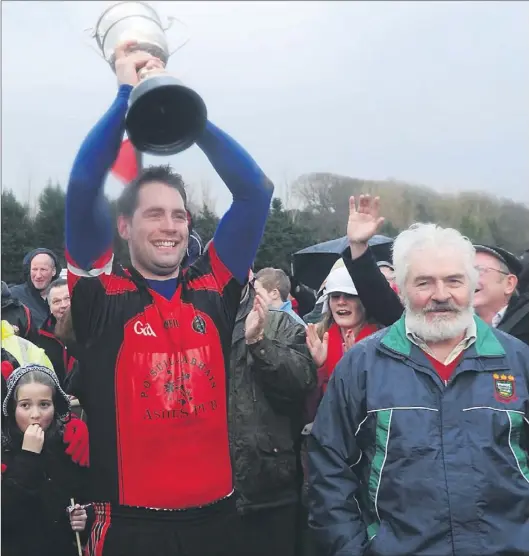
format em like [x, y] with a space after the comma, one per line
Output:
[336, 350]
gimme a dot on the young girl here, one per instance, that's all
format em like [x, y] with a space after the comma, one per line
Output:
[38, 477]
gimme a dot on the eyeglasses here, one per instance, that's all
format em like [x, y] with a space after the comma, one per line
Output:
[482, 270]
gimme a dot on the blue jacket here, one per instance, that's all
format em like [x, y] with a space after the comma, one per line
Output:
[402, 465]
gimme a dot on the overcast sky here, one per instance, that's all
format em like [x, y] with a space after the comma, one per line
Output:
[428, 92]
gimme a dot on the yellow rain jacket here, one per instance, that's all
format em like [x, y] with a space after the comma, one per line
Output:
[22, 350]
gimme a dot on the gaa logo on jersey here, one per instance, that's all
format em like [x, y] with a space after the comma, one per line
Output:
[199, 325]
[504, 387]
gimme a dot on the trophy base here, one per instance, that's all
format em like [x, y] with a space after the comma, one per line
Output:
[164, 117]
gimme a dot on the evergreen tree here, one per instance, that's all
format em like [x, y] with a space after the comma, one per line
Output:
[17, 237]
[206, 223]
[283, 236]
[49, 222]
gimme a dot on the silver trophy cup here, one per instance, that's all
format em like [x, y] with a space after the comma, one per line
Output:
[164, 116]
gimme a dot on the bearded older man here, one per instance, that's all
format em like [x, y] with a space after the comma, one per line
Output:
[420, 445]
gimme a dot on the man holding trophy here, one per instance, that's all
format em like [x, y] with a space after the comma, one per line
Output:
[158, 339]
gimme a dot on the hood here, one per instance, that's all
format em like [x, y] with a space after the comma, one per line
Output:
[62, 403]
[5, 290]
[339, 280]
[26, 263]
[7, 298]
[7, 330]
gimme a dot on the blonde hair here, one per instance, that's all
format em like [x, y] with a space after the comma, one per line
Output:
[323, 326]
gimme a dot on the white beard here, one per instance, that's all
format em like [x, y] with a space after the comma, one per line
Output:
[440, 328]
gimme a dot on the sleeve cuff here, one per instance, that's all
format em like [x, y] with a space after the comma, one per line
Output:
[124, 91]
[260, 349]
[28, 469]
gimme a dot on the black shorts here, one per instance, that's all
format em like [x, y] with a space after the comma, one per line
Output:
[211, 531]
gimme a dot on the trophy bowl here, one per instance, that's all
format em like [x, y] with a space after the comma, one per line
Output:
[164, 116]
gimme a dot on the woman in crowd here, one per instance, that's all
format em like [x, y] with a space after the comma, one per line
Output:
[344, 323]
[38, 478]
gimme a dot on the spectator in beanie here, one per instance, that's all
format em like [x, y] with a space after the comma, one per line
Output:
[41, 267]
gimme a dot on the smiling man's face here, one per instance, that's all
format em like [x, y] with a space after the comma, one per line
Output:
[438, 294]
[158, 231]
[495, 285]
[42, 270]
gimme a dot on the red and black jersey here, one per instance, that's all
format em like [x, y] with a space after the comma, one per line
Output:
[154, 383]
[62, 356]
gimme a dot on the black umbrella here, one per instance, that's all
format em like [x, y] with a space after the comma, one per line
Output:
[312, 265]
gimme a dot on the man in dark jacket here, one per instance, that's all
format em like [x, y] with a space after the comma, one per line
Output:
[41, 267]
[17, 315]
[420, 445]
[271, 372]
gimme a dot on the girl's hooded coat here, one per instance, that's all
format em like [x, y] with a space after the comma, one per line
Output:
[36, 488]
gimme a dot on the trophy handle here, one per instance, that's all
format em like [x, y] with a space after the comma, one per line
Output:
[89, 36]
[170, 21]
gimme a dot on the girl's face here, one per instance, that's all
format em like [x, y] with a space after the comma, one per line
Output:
[347, 310]
[34, 405]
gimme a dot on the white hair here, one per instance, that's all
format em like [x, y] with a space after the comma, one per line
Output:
[432, 237]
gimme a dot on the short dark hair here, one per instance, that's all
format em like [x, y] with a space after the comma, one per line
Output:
[128, 200]
[274, 278]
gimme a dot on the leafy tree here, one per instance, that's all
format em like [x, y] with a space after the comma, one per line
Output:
[17, 237]
[484, 218]
[389, 230]
[49, 222]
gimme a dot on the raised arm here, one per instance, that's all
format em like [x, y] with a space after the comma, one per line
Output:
[380, 301]
[89, 229]
[88, 223]
[240, 230]
[378, 298]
